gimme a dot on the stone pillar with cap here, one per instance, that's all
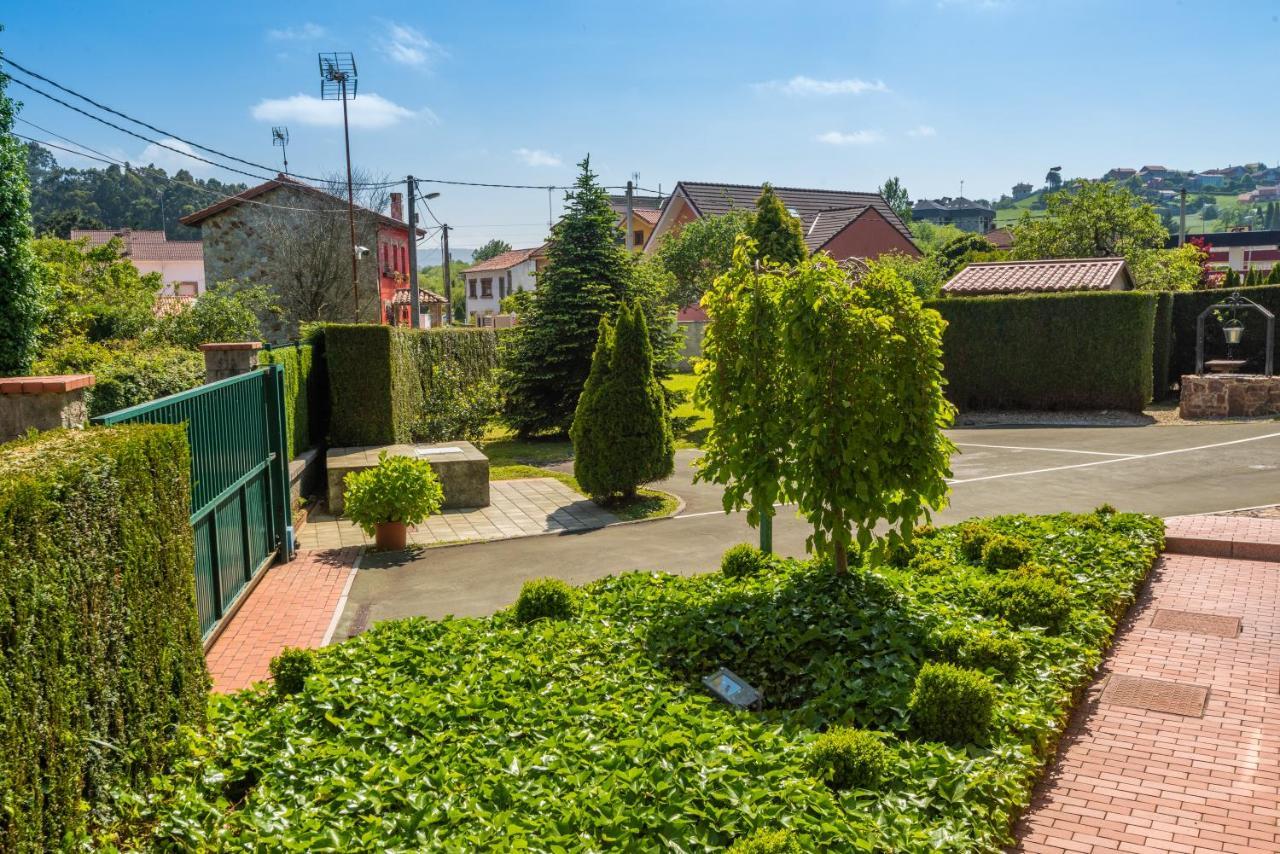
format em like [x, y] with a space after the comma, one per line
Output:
[229, 359]
[43, 403]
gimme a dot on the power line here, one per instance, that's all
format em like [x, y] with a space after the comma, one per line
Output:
[64, 148]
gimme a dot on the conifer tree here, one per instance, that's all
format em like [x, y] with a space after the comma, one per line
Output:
[622, 418]
[590, 445]
[1273, 278]
[19, 288]
[1232, 279]
[778, 235]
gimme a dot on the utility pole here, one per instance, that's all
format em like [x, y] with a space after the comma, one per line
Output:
[1182, 217]
[340, 69]
[630, 214]
[448, 280]
[415, 307]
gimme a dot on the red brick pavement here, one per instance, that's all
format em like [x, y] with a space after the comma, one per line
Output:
[1243, 537]
[1130, 780]
[293, 605]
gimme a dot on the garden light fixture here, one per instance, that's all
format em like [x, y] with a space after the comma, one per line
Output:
[732, 688]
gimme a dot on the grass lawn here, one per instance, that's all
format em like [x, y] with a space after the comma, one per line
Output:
[689, 423]
[960, 663]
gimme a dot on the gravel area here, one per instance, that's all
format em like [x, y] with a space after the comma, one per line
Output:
[1270, 512]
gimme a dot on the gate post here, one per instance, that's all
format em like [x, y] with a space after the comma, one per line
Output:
[282, 512]
[229, 359]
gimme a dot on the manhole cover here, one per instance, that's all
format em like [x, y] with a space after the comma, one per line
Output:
[1196, 621]
[1156, 695]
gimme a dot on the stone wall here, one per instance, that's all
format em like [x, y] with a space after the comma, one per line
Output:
[261, 243]
[1220, 395]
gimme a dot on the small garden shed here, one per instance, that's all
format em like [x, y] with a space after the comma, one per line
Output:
[1053, 275]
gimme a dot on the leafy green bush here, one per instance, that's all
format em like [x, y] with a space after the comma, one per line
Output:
[1002, 552]
[767, 842]
[1027, 599]
[546, 599]
[300, 390]
[228, 311]
[929, 564]
[846, 758]
[290, 669]
[952, 704]
[100, 648]
[980, 649]
[973, 539]
[397, 489]
[126, 374]
[391, 384]
[1028, 352]
[741, 560]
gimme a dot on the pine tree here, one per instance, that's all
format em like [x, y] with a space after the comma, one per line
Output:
[622, 420]
[19, 299]
[778, 235]
[547, 357]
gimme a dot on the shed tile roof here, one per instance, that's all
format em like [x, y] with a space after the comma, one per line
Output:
[143, 245]
[505, 261]
[1048, 276]
[716, 199]
[649, 215]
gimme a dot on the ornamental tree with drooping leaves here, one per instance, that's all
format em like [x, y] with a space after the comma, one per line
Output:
[866, 406]
[19, 282]
[743, 383]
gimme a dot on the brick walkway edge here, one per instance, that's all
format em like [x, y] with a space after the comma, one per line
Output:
[295, 604]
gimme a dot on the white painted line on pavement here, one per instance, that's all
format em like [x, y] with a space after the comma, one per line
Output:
[1054, 450]
[342, 600]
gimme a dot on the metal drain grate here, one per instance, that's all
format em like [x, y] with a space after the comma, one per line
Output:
[1156, 695]
[361, 621]
[1197, 622]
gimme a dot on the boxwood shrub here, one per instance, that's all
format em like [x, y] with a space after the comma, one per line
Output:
[290, 669]
[1053, 351]
[952, 704]
[768, 842]
[845, 758]
[100, 649]
[1004, 552]
[546, 599]
[1027, 599]
[742, 559]
[981, 649]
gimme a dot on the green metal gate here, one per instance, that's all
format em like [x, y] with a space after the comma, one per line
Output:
[239, 479]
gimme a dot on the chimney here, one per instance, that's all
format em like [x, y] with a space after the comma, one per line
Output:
[397, 206]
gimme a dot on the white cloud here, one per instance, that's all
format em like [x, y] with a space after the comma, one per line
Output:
[407, 46]
[302, 32]
[537, 157]
[172, 161]
[923, 130]
[367, 110]
[808, 86]
[858, 137]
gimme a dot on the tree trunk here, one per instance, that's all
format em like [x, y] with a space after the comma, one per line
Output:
[842, 559]
[766, 531]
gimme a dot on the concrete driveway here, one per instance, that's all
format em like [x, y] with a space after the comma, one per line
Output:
[1160, 469]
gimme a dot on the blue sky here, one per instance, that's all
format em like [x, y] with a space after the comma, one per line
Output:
[839, 95]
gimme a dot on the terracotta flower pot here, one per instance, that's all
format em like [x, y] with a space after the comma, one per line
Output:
[390, 536]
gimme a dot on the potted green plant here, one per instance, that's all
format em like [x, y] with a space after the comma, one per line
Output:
[397, 492]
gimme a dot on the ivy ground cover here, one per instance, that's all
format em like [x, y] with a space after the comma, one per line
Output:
[593, 732]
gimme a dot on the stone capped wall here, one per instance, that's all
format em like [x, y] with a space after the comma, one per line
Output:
[1220, 395]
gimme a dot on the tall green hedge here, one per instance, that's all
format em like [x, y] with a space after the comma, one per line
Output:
[1187, 306]
[301, 390]
[392, 384]
[1162, 346]
[100, 648]
[1056, 351]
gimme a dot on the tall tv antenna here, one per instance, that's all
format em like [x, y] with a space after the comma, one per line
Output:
[280, 138]
[338, 81]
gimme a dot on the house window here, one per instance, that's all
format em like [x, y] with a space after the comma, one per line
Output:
[637, 239]
[502, 287]
[486, 288]
[473, 288]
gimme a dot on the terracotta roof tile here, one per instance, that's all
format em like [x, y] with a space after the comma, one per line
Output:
[649, 215]
[505, 261]
[143, 245]
[1048, 276]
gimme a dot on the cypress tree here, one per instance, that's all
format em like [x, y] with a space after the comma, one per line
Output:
[591, 444]
[19, 301]
[778, 235]
[622, 420]
[1232, 279]
[1274, 277]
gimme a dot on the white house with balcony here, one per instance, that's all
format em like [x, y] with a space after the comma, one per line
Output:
[489, 282]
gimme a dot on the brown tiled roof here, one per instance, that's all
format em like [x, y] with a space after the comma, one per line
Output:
[505, 261]
[715, 199]
[1000, 238]
[824, 225]
[1048, 276]
[167, 304]
[282, 180]
[143, 245]
[403, 296]
[649, 215]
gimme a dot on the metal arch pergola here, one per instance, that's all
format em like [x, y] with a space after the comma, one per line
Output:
[1235, 302]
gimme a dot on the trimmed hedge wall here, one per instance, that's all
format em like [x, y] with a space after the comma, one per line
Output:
[1187, 305]
[300, 391]
[392, 384]
[100, 648]
[1053, 351]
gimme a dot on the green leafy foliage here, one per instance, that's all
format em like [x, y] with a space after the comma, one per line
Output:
[846, 758]
[924, 272]
[1010, 352]
[742, 560]
[454, 735]
[1002, 552]
[100, 649]
[391, 385]
[777, 235]
[93, 292]
[981, 649]
[1091, 219]
[545, 599]
[290, 669]
[1027, 599]
[302, 388]
[19, 271]
[228, 311]
[397, 489]
[973, 539]
[767, 842]
[699, 251]
[621, 431]
[952, 704]
[490, 249]
[589, 275]
[126, 373]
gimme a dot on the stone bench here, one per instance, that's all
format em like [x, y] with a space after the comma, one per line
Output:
[462, 469]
